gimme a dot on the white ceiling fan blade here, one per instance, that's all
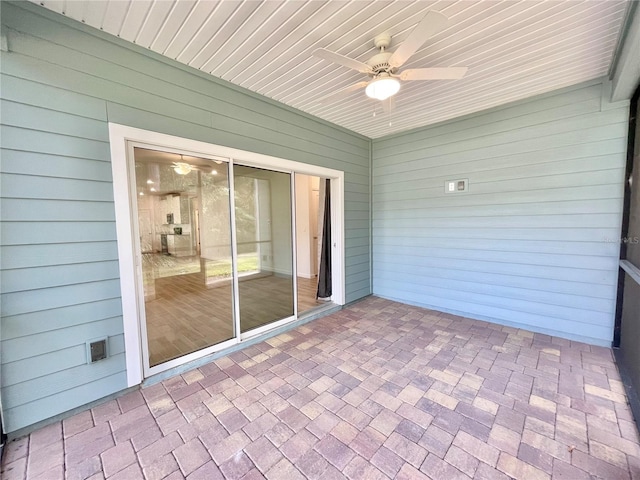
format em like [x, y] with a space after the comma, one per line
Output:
[389, 105]
[343, 93]
[450, 73]
[431, 24]
[342, 60]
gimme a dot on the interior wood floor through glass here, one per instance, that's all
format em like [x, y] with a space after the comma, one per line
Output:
[186, 315]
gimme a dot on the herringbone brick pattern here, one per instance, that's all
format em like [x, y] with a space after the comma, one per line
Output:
[378, 390]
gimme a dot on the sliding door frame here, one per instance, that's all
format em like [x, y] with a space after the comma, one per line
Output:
[125, 201]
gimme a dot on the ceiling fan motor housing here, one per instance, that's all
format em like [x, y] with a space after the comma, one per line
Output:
[380, 64]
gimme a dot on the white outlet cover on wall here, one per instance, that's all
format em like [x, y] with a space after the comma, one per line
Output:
[460, 185]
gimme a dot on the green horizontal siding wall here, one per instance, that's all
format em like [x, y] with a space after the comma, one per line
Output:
[62, 82]
[533, 242]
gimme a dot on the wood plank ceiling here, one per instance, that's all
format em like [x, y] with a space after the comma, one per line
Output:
[514, 49]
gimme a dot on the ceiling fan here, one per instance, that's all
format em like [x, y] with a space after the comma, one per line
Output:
[383, 67]
[184, 168]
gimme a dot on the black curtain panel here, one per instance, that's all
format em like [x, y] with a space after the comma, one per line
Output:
[324, 276]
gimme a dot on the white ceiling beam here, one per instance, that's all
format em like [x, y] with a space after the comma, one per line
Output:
[626, 71]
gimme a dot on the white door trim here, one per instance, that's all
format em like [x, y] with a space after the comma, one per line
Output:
[119, 135]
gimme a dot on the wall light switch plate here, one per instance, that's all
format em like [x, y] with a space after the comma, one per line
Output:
[460, 185]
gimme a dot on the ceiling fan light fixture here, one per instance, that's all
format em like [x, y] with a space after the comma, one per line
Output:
[182, 168]
[382, 88]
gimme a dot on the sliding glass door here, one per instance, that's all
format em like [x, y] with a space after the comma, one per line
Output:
[210, 269]
[185, 252]
[263, 217]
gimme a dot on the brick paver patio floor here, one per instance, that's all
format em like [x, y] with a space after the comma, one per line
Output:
[377, 390]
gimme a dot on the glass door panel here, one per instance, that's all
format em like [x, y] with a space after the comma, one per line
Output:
[185, 240]
[264, 246]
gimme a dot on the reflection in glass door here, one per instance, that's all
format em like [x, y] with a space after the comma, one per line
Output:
[263, 219]
[186, 260]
